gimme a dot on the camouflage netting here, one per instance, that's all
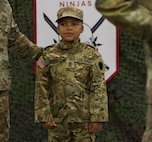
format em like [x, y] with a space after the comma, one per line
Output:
[127, 99]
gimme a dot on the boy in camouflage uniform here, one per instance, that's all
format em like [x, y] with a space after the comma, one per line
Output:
[10, 39]
[135, 17]
[71, 96]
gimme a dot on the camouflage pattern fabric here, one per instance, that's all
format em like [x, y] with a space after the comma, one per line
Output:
[10, 39]
[70, 132]
[134, 17]
[71, 85]
[70, 12]
[4, 116]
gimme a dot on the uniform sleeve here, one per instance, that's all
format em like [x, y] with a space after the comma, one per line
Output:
[129, 15]
[42, 97]
[98, 95]
[20, 45]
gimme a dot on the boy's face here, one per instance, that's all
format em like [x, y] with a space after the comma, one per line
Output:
[70, 29]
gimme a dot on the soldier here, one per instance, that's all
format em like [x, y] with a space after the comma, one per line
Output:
[10, 39]
[134, 16]
[71, 96]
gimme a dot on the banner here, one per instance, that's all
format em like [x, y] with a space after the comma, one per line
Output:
[97, 30]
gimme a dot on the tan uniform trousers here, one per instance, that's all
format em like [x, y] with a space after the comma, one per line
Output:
[70, 132]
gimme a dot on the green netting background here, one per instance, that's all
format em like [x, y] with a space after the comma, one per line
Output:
[126, 91]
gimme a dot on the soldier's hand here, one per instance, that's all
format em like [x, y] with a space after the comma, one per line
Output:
[95, 127]
[49, 124]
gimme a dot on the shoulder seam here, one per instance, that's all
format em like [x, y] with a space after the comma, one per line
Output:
[49, 46]
[88, 45]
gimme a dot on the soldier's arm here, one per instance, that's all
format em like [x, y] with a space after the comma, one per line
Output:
[42, 99]
[98, 93]
[19, 44]
[130, 16]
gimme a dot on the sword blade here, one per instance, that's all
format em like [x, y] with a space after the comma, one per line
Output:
[50, 23]
[95, 27]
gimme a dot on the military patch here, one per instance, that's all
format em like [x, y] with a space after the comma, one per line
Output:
[70, 63]
[100, 65]
[41, 62]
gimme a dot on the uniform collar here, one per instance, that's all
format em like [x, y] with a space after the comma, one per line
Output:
[75, 45]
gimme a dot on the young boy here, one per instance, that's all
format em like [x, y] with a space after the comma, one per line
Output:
[71, 96]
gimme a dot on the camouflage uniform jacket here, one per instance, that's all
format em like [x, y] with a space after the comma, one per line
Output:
[135, 17]
[11, 38]
[71, 85]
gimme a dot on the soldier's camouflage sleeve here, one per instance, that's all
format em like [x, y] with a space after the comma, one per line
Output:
[20, 45]
[132, 16]
[42, 97]
[98, 94]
